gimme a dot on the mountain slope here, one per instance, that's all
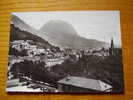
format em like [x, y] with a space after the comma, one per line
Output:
[59, 33]
[64, 35]
[22, 25]
[17, 34]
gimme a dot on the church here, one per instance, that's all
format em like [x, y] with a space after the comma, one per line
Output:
[111, 48]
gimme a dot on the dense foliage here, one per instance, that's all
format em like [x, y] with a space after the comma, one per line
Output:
[108, 69]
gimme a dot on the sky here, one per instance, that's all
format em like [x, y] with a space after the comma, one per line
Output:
[99, 25]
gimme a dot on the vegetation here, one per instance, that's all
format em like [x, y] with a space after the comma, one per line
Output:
[35, 70]
[17, 34]
[108, 69]
[15, 52]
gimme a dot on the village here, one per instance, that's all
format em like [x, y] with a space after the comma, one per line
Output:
[36, 54]
[56, 57]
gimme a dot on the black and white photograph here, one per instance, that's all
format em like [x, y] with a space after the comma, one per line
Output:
[65, 52]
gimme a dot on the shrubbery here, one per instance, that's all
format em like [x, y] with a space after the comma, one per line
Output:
[109, 69]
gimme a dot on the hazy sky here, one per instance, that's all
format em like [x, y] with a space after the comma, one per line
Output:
[100, 25]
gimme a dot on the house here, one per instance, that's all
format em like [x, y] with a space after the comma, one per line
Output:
[13, 82]
[33, 47]
[20, 44]
[72, 84]
[39, 51]
[102, 52]
[53, 61]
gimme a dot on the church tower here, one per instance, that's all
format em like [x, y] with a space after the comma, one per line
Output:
[112, 43]
[111, 49]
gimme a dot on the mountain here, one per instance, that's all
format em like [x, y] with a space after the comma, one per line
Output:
[59, 33]
[22, 25]
[63, 34]
[18, 34]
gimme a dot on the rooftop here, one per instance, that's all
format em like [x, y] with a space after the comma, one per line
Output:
[82, 82]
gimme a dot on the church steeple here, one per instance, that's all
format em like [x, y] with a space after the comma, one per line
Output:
[111, 49]
[112, 43]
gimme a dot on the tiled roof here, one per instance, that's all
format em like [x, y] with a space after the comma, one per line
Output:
[85, 83]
